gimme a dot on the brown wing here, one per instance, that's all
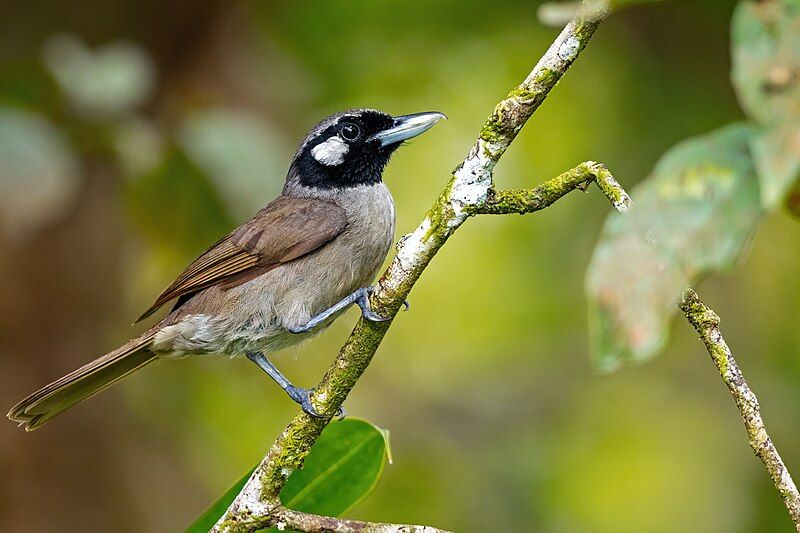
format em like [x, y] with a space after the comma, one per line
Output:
[286, 229]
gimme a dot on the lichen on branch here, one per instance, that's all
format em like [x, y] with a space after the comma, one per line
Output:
[522, 201]
[706, 322]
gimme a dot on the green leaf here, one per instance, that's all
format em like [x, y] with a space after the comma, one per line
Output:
[765, 39]
[693, 216]
[206, 521]
[344, 465]
[776, 153]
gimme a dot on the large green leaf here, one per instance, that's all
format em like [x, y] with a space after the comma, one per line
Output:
[343, 467]
[765, 48]
[206, 521]
[694, 215]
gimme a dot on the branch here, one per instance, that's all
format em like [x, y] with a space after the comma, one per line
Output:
[468, 190]
[286, 519]
[706, 322]
[522, 201]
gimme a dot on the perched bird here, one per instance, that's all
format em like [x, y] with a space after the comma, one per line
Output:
[280, 277]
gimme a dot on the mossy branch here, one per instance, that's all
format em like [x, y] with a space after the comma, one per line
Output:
[706, 322]
[284, 519]
[522, 201]
[468, 190]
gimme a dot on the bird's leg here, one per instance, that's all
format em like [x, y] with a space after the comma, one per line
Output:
[359, 297]
[298, 394]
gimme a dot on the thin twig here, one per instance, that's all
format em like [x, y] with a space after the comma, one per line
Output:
[469, 188]
[706, 322]
[522, 201]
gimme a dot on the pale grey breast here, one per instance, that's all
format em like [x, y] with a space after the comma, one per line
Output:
[254, 315]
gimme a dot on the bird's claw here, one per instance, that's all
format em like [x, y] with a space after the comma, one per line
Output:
[368, 313]
[303, 398]
[298, 329]
[372, 316]
[366, 309]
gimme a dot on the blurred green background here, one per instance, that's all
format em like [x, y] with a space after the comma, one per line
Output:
[134, 134]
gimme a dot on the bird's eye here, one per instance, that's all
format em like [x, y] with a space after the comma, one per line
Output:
[350, 132]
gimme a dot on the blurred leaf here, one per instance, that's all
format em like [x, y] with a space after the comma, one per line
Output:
[138, 144]
[766, 75]
[38, 172]
[793, 200]
[344, 465]
[245, 158]
[175, 205]
[765, 40]
[103, 83]
[27, 84]
[776, 153]
[694, 215]
[556, 14]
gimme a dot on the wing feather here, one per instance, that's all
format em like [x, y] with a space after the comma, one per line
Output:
[287, 229]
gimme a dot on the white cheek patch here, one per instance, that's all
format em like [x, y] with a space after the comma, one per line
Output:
[331, 152]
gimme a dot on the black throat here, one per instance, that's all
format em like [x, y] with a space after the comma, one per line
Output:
[365, 170]
[364, 160]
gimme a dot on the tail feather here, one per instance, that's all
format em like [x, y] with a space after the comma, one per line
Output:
[82, 383]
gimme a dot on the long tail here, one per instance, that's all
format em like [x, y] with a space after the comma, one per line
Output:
[82, 383]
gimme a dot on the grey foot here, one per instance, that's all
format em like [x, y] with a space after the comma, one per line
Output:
[303, 397]
[359, 297]
[299, 395]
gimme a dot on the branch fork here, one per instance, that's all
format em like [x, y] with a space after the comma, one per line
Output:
[469, 192]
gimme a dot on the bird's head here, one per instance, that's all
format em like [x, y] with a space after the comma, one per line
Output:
[352, 147]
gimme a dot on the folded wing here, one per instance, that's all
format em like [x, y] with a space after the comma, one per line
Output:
[286, 229]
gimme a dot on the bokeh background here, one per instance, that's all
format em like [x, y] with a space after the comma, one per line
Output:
[134, 134]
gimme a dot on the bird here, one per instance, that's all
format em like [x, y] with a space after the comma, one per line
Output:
[279, 278]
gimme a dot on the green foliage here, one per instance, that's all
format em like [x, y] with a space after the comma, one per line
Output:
[500, 315]
[162, 203]
[694, 215]
[28, 84]
[766, 76]
[343, 467]
[793, 201]
[206, 521]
